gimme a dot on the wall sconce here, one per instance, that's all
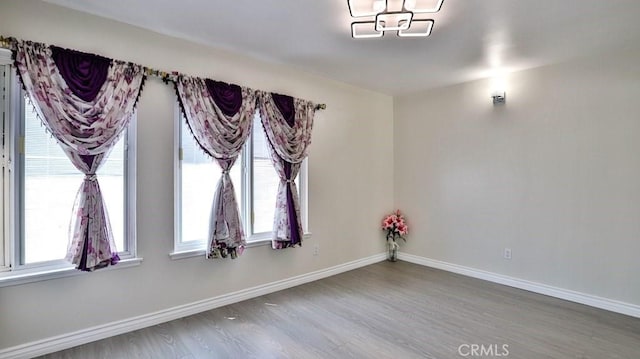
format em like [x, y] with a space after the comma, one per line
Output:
[498, 87]
[499, 98]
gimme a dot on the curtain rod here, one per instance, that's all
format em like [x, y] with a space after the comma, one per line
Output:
[5, 43]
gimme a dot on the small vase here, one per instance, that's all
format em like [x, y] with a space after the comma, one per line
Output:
[392, 255]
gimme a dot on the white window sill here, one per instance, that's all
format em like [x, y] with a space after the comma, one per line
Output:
[41, 274]
[254, 241]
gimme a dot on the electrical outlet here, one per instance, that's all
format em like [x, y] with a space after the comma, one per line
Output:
[316, 249]
[507, 253]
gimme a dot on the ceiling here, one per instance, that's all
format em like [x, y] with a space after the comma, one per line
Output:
[471, 39]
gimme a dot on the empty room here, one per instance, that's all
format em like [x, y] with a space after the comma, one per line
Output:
[320, 179]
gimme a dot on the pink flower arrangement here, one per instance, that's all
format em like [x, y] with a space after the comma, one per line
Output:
[396, 226]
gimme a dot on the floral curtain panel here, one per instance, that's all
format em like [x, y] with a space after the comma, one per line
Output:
[85, 101]
[287, 123]
[220, 117]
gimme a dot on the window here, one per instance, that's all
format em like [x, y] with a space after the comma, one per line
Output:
[43, 166]
[40, 186]
[255, 182]
[198, 183]
[265, 180]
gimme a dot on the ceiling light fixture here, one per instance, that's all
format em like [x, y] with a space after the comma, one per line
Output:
[365, 30]
[419, 28]
[380, 16]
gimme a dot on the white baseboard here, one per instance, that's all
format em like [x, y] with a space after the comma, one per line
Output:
[573, 296]
[84, 336]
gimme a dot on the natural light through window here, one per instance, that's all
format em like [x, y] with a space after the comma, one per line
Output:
[254, 179]
[39, 190]
[51, 183]
[200, 175]
[265, 180]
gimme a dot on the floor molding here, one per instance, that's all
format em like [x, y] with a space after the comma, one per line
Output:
[88, 335]
[573, 296]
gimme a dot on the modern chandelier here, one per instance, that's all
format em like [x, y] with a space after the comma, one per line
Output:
[405, 17]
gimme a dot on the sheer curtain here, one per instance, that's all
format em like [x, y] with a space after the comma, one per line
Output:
[85, 101]
[287, 123]
[220, 117]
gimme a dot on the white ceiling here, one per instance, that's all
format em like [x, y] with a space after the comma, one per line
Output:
[471, 38]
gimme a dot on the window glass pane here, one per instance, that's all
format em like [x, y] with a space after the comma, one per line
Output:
[50, 186]
[199, 178]
[112, 184]
[265, 181]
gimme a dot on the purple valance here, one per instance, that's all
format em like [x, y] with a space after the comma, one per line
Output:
[228, 97]
[83, 73]
[284, 104]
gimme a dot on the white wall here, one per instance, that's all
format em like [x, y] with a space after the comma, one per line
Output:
[350, 185]
[554, 175]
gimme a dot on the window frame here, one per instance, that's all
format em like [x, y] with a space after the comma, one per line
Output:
[197, 248]
[5, 101]
[14, 271]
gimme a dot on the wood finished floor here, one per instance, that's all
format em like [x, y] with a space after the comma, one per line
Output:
[386, 310]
